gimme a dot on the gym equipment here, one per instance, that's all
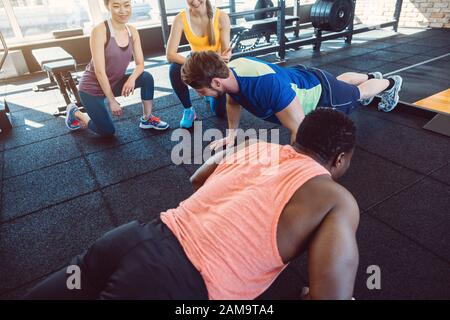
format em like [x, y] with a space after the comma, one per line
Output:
[331, 19]
[256, 30]
[263, 4]
[263, 27]
[59, 66]
[321, 35]
[332, 15]
[5, 114]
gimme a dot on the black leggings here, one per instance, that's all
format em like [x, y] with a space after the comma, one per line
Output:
[133, 261]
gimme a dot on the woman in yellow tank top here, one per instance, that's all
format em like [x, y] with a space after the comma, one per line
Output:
[205, 28]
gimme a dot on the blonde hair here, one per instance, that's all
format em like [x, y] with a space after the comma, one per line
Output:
[210, 13]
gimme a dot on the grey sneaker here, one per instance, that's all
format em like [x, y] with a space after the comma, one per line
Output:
[376, 75]
[389, 99]
[153, 123]
[71, 121]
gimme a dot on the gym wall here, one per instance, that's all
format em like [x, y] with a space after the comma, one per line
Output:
[415, 13]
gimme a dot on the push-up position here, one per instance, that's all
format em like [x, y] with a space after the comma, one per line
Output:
[233, 237]
[282, 95]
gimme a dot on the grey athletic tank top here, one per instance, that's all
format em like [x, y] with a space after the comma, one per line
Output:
[116, 63]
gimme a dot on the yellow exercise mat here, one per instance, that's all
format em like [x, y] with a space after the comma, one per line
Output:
[439, 102]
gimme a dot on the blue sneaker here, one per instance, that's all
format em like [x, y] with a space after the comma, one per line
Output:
[210, 102]
[72, 122]
[389, 99]
[153, 123]
[216, 107]
[188, 119]
[376, 75]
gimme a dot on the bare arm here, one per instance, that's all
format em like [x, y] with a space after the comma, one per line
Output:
[291, 117]
[128, 87]
[174, 41]
[224, 21]
[333, 252]
[97, 44]
[203, 173]
[234, 115]
[234, 110]
[137, 54]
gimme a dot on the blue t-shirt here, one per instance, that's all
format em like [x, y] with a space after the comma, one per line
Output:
[265, 88]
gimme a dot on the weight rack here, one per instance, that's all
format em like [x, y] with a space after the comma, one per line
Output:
[283, 43]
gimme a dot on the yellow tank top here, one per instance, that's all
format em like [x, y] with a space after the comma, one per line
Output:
[201, 43]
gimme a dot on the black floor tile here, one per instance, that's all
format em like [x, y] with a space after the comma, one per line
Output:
[407, 270]
[416, 59]
[31, 133]
[404, 118]
[47, 240]
[29, 116]
[400, 144]
[145, 197]
[332, 57]
[364, 181]
[355, 51]
[397, 40]
[357, 63]
[44, 187]
[437, 52]
[20, 292]
[40, 154]
[390, 67]
[337, 70]
[389, 56]
[127, 161]
[14, 107]
[443, 174]
[126, 131]
[377, 45]
[417, 86]
[410, 48]
[422, 213]
[288, 286]
[190, 146]
[172, 100]
[432, 42]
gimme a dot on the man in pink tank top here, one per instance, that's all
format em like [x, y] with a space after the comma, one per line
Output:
[255, 209]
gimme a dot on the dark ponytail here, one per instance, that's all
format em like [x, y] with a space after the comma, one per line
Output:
[210, 13]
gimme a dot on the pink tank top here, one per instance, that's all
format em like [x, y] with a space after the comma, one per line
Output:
[228, 227]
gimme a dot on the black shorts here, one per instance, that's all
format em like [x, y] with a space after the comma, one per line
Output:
[133, 261]
[337, 94]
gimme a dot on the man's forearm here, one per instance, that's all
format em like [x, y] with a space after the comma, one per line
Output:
[234, 115]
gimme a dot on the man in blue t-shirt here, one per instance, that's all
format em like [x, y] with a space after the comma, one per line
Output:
[281, 95]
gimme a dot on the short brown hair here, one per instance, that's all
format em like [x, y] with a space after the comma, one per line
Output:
[201, 67]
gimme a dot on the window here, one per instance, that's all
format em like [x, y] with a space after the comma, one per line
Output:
[143, 12]
[38, 18]
[30, 20]
[5, 26]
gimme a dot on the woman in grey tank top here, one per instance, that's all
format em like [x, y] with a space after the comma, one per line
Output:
[113, 45]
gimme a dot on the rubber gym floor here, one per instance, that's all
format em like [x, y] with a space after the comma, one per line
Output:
[60, 190]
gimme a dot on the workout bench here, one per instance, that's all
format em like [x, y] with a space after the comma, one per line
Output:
[59, 66]
[256, 29]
